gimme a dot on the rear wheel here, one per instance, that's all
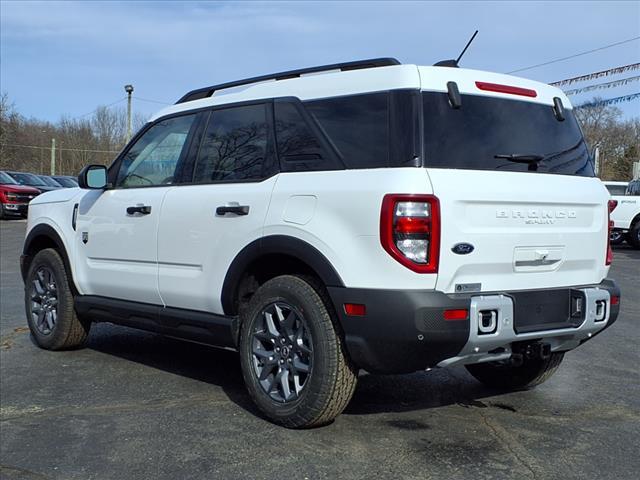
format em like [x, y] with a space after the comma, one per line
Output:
[503, 375]
[293, 361]
[633, 235]
[49, 304]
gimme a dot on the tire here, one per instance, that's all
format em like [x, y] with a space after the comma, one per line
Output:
[616, 237]
[528, 375]
[633, 236]
[48, 291]
[300, 313]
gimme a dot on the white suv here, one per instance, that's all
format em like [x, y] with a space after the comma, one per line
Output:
[366, 215]
[626, 214]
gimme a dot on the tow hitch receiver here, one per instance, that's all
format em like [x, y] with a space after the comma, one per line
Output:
[529, 351]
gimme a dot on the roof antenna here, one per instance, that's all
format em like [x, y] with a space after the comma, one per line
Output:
[454, 63]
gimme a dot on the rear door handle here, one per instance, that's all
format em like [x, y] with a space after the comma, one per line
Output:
[142, 209]
[235, 209]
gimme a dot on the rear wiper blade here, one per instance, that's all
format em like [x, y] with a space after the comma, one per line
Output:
[531, 160]
[520, 158]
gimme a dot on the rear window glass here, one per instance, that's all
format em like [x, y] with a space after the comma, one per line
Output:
[470, 137]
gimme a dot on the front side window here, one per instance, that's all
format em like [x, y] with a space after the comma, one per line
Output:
[152, 160]
[235, 146]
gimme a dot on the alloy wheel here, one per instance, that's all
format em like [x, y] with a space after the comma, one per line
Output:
[281, 352]
[44, 300]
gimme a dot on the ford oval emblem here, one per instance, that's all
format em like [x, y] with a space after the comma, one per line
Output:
[462, 248]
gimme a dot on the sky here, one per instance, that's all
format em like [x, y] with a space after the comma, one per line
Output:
[66, 58]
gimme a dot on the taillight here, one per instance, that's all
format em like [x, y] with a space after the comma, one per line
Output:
[410, 230]
[612, 205]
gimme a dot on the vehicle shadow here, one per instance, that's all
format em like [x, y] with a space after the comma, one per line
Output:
[374, 393]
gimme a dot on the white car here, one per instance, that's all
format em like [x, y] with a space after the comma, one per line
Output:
[626, 215]
[359, 216]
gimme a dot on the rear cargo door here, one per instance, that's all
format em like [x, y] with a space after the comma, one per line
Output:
[520, 206]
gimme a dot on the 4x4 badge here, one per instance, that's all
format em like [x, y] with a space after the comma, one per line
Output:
[462, 248]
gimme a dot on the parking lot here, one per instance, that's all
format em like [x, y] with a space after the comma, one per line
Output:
[135, 405]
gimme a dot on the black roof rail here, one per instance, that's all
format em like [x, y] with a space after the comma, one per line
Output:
[357, 65]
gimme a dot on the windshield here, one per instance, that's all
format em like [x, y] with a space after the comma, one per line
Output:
[66, 182]
[28, 179]
[6, 179]
[49, 181]
[518, 132]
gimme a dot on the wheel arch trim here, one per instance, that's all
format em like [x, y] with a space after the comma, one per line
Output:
[49, 232]
[279, 245]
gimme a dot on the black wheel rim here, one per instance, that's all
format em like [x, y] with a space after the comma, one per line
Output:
[281, 352]
[615, 236]
[44, 300]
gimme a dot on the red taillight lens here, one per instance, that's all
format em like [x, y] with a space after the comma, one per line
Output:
[496, 87]
[410, 230]
[612, 206]
[615, 300]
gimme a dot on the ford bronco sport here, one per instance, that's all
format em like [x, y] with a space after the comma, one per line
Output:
[366, 215]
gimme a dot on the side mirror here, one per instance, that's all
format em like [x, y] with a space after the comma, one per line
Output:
[93, 177]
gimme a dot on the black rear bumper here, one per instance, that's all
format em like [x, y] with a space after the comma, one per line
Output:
[405, 331]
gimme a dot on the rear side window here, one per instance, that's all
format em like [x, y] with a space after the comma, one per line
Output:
[634, 188]
[299, 148]
[358, 127]
[470, 137]
[372, 130]
[235, 146]
[616, 189]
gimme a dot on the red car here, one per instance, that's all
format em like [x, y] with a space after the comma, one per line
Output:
[14, 198]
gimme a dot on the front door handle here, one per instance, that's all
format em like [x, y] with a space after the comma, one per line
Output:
[235, 209]
[142, 209]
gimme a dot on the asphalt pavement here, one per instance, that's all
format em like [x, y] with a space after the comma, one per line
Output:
[133, 405]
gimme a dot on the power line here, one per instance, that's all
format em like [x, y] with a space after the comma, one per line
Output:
[151, 101]
[574, 56]
[101, 106]
[59, 149]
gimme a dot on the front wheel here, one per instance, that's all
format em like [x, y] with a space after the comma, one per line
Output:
[503, 375]
[49, 304]
[293, 360]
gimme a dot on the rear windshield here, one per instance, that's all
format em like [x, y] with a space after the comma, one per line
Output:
[470, 137]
